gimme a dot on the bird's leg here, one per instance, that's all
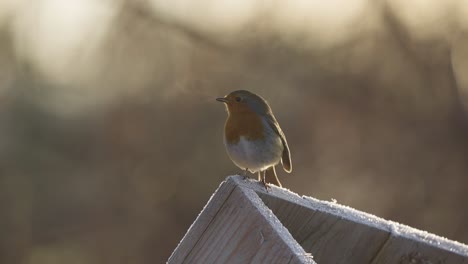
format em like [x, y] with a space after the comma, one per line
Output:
[264, 180]
[245, 174]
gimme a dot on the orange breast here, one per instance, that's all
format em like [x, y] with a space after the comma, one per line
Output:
[244, 123]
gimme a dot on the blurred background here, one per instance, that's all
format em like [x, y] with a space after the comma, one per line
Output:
[111, 140]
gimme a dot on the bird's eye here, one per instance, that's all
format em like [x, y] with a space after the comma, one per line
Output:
[238, 99]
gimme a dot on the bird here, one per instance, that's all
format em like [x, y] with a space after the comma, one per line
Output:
[253, 138]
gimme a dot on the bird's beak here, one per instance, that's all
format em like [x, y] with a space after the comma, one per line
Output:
[222, 99]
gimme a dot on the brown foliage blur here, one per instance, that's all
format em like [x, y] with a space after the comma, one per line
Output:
[109, 149]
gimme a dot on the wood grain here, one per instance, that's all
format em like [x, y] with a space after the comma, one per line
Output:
[243, 223]
[333, 233]
[330, 238]
[238, 230]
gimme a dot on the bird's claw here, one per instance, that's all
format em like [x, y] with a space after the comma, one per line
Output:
[244, 175]
[267, 187]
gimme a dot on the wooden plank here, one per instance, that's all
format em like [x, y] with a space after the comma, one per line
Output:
[199, 226]
[237, 226]
[330, 238]
[400, 249]
[335, 233]
[238, 229]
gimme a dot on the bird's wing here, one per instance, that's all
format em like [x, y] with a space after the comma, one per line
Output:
[286, 156]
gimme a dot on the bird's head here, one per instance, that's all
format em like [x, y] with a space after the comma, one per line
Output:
[242, 100]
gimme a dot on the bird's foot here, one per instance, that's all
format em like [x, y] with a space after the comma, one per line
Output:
[244, 175]
[265, 184]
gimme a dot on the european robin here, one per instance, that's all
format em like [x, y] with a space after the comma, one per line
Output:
[253, 138]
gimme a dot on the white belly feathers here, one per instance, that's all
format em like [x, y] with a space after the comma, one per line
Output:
[256, 155]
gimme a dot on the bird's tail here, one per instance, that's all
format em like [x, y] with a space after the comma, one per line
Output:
[270, 176]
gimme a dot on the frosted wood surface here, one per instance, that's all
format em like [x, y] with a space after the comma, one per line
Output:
[203, 220]
[405, 251]
[333, 233]
[330, 238]
[238, 235]
[238, 230]
[237, 227]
